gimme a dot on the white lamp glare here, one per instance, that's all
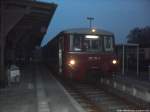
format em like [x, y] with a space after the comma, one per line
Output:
[92, 36]
[93, 30]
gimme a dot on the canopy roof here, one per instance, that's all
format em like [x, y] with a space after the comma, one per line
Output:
[25, 22]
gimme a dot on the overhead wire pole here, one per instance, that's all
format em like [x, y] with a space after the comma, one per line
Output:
[137, 64]
[90, 21]
[123, 59]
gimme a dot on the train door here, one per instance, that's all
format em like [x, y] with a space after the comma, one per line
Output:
[60, 55]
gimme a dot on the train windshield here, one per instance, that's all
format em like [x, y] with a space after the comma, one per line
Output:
[90, 43]
[86, 43]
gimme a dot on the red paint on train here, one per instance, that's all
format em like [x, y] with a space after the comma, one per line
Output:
[77, 52]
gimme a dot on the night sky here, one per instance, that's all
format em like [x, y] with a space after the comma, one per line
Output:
[117, 16]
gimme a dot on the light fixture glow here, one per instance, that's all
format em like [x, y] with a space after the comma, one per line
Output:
[72, 62]
[93, 30]
[114, 62]
[92, 36]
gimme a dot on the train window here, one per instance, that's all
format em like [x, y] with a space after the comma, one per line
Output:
[82, 43]
[108, 43]
[75, 43]
[92, 44]
[71, 42]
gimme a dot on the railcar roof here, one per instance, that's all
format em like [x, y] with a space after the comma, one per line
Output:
[88, 31]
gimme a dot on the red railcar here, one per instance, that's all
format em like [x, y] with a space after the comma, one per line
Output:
[74, 53]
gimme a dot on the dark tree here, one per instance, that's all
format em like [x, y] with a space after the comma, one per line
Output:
[139, 35]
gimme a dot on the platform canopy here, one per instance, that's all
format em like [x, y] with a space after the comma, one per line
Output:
[24, 23]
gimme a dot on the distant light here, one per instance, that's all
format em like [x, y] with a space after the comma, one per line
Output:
[114, 62]
[72, 62]
[92, 36]
[93, 30]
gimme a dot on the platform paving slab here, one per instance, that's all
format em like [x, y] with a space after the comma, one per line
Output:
[54, 97]
[20, 97]
[38, 91]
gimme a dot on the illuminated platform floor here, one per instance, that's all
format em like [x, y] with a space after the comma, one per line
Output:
[37, 91]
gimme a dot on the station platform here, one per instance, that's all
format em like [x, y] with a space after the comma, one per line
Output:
[142, 79]
[38, 91]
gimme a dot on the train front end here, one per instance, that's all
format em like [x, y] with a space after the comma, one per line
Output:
[90, 54]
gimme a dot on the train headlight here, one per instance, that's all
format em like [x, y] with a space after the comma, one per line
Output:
[72, 62]
[114, 61]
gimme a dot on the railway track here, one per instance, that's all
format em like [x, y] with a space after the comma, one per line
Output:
[97, 99]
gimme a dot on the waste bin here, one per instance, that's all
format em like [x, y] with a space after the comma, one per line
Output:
[14, 74]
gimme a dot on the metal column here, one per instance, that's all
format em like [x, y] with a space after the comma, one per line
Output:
[90, 21]
[137, 69]
[2, 48]
[123, 53]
